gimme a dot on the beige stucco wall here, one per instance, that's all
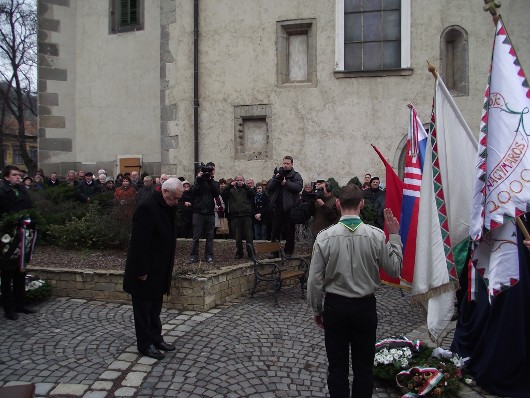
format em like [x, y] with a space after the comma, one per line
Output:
[328, 129]
[117, 86]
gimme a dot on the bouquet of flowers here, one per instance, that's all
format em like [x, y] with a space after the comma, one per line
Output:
[416, 369]
[393, 355]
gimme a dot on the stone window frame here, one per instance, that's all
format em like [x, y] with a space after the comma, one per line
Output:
[291, 27]
[454, 56]
[251, 112]
[115, 7]
[404, 70]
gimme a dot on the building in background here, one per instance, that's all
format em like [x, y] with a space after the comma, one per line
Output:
[318, 80]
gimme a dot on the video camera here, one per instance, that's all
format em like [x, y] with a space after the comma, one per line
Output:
[280, 173]
[206, 170]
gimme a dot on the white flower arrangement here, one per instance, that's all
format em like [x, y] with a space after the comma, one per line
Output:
[398, 356]
[35, 284]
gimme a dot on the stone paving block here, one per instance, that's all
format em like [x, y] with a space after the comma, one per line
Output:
[127, 357]
[133, 379]
[95, 394]
[102, 385]
[119, 365]
[77, 390]
[110, 375]
[141, 368]
[43, 388]
[125, 392]
[147, 361]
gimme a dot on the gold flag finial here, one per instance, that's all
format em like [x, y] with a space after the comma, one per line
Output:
[491, 7]
[432, 69]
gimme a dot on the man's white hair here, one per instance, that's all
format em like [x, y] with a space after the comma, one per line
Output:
[172, 184]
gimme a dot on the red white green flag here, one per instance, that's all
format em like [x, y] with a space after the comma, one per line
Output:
[502, 183]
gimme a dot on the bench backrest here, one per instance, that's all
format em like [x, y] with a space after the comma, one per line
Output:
[267, 247]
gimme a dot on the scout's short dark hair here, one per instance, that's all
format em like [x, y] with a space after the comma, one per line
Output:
[350, 196]
[289, 158]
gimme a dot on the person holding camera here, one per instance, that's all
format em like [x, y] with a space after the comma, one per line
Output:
[240, 198]
[204, 191]
[284, 189]
[326, 212]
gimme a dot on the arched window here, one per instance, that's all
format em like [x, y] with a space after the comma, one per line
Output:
[454, 56]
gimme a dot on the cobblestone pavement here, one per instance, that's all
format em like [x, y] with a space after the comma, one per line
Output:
[249, 348]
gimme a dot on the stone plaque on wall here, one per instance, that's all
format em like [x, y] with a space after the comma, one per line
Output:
[252, 125]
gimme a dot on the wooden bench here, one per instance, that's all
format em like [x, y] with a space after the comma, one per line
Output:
[276, 271]
[18, 391]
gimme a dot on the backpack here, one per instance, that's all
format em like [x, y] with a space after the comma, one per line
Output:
[300, 212]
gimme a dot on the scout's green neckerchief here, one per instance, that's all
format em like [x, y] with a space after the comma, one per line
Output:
[351, 223]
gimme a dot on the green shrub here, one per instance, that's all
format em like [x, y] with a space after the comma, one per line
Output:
[56, 205]
[98, 228]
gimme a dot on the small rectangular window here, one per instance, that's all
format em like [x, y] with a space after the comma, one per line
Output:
[126, 15]
[17, 156]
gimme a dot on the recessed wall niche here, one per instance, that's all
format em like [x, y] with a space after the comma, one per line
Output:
[252, 130]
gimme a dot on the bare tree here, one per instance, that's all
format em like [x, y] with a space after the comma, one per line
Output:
[18, 65]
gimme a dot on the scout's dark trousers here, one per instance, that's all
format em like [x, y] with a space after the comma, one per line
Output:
[147, 321]
[350, 326]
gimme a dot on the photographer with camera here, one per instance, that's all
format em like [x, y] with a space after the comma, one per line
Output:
[284, 189]
[326, 212]
[204, 191]
[240, 198]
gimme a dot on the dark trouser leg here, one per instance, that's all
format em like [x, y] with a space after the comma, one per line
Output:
[197, 222]
[147, 321]
[19, 289]
[350, 323]
[8, 297]
[289, 237]
[209, 228]
[362, 343]
[237, 225]
[156, 325]
[276, 230]
[338, 351]
[247, 230]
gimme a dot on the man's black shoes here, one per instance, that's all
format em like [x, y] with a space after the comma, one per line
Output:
[11, 315]
[238, 256]
[152, 352]
[26, 310]
[165, 346]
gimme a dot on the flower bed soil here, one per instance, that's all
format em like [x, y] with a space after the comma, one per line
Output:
[110, 259]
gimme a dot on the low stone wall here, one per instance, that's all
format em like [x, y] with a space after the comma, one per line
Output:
[197, 293]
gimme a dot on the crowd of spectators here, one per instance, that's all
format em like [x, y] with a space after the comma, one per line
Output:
[235, 208]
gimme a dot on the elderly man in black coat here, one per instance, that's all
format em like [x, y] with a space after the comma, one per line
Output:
[149, 265]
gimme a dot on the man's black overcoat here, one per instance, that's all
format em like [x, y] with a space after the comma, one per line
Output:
[151, 248]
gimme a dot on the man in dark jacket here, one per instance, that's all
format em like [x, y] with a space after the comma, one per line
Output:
[13, 199]
[240, 198]
[149, 265]
[204, 191]
[284, 190]
[87, 189]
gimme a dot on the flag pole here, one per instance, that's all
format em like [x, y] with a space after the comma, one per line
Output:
[522, 227]
[491, 7]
